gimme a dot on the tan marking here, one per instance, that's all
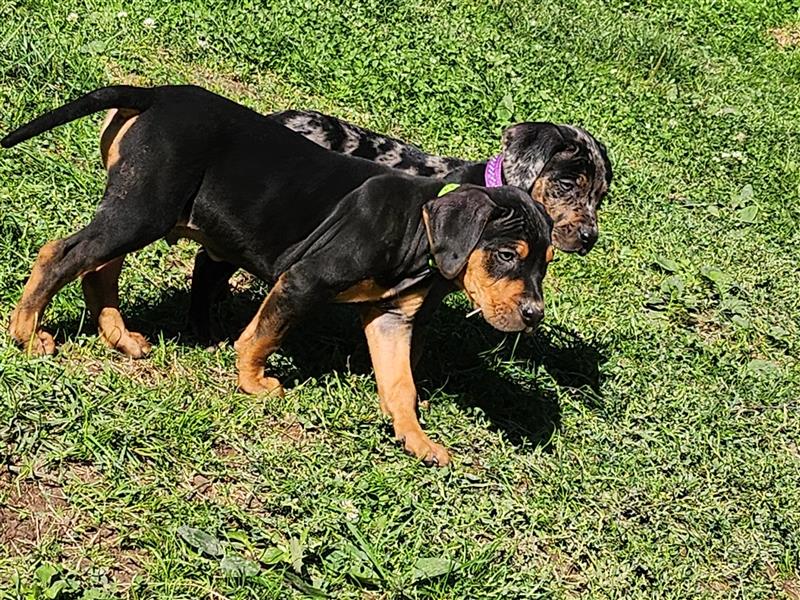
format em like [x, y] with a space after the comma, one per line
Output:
[258, 341]
[184, 230]
[101, 292]
[37, 293]
[389, 341]
[364, 291]
[538, 192]
[549, 254]
[522, 249]
[368, 291]
[410, 302]
[115, 125]
[498, 299]
[426, 220]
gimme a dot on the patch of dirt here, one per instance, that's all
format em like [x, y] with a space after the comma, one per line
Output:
[199, 486]
[719, 586]
[786, 37]
[101, 547]
[31, 512]
[238, 494]
[35, 512]
[709, 328]
[224, 451]
[83, 472]
[294, 431]
[790, 585]
[230, 491]
[532, 550]
[120, 76]
[141, 371]
[225, 83]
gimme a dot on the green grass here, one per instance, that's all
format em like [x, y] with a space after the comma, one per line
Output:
[645, 443]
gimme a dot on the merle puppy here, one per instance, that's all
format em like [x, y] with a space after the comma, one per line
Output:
[561, 167]
[318, 226]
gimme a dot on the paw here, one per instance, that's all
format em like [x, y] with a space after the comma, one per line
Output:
[261, 385]
[429, 452]
[129, 343]
[40, 343]
[134, 344]
[23, 329]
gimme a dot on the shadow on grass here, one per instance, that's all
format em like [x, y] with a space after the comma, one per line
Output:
[501, 374]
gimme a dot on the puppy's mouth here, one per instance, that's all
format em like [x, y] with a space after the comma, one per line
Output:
[505, 322]
[571, 246]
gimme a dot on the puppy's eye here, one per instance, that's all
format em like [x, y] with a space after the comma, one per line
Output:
[566, 185]
[506, 255]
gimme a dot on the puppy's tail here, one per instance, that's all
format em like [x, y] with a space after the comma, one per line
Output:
[116, 96]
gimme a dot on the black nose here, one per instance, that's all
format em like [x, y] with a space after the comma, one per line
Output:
[588, 236]
[531, 313]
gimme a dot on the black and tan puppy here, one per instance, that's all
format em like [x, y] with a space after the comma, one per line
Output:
[562, 167]
[320, 226]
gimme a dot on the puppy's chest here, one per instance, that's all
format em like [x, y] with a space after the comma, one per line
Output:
[406, 297]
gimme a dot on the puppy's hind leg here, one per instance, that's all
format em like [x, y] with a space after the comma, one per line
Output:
[107, 238]
[101, 292]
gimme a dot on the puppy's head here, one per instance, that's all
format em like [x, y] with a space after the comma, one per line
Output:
[566, 170]
[495, 244]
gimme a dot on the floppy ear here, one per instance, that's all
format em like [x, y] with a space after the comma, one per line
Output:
[606, 161]
[454, 224]
[527, 148]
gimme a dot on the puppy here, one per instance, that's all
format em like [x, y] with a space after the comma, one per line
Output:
[319, 226]
[561, 167]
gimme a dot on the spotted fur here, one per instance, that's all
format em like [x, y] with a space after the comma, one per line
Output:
[346, 138]
[561, 166]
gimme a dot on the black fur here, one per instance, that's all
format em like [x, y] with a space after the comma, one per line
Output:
[262, 198]
[319, 225]
[559, 156]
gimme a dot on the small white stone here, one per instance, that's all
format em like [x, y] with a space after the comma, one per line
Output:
[122, 14]
[72, 17]
[149, 23]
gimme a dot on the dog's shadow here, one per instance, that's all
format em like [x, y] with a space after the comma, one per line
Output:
[515, 380]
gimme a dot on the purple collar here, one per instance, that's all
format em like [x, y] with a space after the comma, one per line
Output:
[494, 171]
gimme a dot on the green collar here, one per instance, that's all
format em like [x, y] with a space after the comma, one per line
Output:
[447, 188]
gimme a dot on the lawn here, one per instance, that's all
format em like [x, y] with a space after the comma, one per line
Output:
[645, 442]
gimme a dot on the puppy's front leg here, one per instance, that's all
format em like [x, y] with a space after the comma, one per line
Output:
[289, 299]
[208, 280]
[389, 339]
